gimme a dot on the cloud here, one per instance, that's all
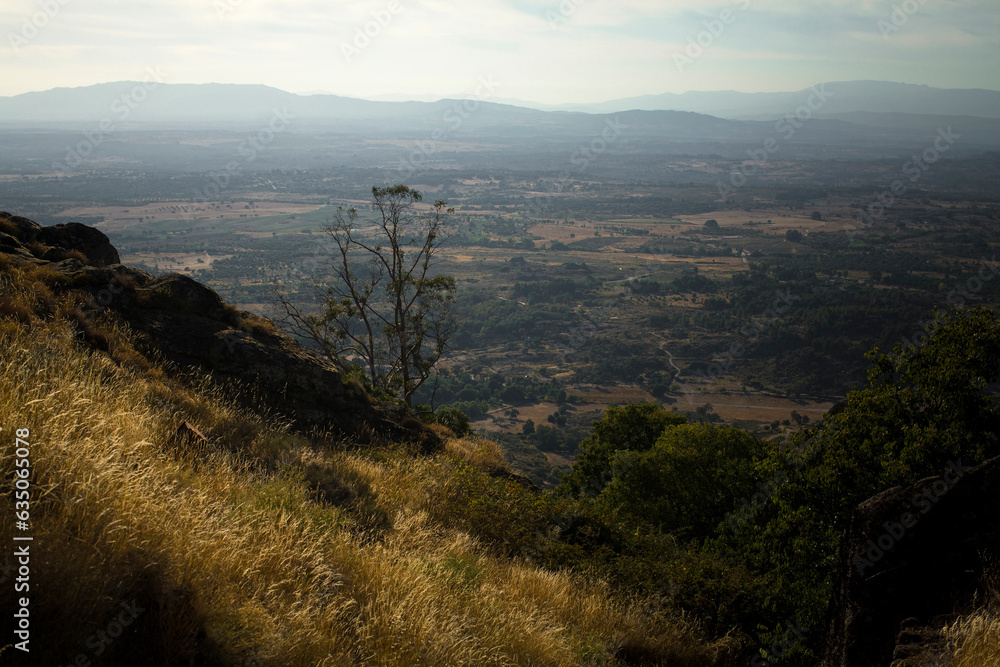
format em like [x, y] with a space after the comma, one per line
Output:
[595, 50]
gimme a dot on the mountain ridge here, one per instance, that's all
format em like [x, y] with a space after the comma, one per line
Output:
[153, 100]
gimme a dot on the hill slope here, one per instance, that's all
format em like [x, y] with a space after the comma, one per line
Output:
[237, 539]
[185, 507]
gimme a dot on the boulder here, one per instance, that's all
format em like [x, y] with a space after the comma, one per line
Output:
[94, 245]
[174, 291]
[910, 556]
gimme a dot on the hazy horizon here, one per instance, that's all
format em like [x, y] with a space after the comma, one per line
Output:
[548, 52]
[390, 97]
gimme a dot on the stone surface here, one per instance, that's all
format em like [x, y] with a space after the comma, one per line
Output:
[911, 554]
[94, 245]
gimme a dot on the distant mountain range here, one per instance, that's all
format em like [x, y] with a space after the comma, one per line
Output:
[130, 101]
[827, 121]
[842, 97]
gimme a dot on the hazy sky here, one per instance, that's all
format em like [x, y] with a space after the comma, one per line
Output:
[539, 50]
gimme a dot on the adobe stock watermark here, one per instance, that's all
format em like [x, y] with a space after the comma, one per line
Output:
[900, 16]
[910, 173]
[453, 118]
[248, 150]
[794, 634]
[580, 160]
[566, 9]
[363, 35]
[106, 295]
[922, 503]
[714, 29]
[34, 24]
[121, 108]
[223, 7]
[99, 641]
[785, 128]
[752, 331]
[956, 298]
[587, 327]
[988, 270]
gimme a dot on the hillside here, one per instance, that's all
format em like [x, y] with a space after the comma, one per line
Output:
[248, 539]
[203, 490]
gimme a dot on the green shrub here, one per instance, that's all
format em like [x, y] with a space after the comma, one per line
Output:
[454, 419]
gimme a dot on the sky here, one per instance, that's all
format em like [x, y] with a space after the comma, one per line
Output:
[544, 51]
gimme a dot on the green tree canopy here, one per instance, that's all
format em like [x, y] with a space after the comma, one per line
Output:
[633, 427]
[687, 482]
[922, 408]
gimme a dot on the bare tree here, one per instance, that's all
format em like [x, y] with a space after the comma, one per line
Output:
[386, 311]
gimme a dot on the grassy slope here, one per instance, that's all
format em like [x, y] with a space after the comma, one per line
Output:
[260, 547]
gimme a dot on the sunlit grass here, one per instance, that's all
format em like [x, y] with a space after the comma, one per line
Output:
[976, 637]
[259, 546]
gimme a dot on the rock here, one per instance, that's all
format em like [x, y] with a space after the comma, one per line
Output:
[94, 245]
[23, 229]
[517, 478]
[174, 291]
[12, 246]
[75, 236]
[920, 647]
[911, 555]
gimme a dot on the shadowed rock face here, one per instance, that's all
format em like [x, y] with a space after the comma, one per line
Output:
[188, 324]
[94, 245]
[911, 554]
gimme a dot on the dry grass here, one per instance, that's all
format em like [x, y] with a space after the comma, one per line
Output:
[978, 640]
[7, 226]
[976, 637]
[278, 556]
[478, 452]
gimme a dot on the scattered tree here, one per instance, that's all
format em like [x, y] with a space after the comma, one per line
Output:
[386, 312]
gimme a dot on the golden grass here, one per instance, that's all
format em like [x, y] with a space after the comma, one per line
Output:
[478, 452]
[976, 637]
[7, 226]
[267, 548]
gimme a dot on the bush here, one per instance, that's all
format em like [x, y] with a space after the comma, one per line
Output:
[454, 419]
[687, 482]
[633, 427]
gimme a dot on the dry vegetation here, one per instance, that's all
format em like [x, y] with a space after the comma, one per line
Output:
[975, 639]
[259, 546]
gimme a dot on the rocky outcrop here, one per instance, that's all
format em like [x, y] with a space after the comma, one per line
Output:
[92, 243]
[910, 557]
[184, 322]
